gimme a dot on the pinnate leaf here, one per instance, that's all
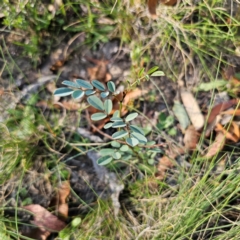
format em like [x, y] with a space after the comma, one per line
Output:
[77, 94]
[137, 129]
[150, 143]
[106, 151]
[84, 84]
[140, 137]
[62, 92]
[131, 116]
[119, 134]
[115, 144]
[98, 85]
[111, 86]
[157, 74]
[155, 150]
[104, 94]
[124, 148]
[96, 102]
[70, 84]
[104, 160]
[116, 114]
[98, 116]
[116, 155]
[116, 119]
[132, 141]
[108, 106]
[108, 125]
[90, 92]
[119, 124]
[152, 70]
[126, 157]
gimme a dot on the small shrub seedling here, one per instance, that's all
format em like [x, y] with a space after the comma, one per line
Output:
[129, 139]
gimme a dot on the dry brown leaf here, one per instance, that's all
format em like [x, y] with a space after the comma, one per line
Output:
[126, 98]
[45, 220]
[130, 97]
[216, 146]
[216, 110]
[211, 126]
[228, 134]
[236, 129]
[234, 112]
[192, 109]
[191, 138]
[165, 163]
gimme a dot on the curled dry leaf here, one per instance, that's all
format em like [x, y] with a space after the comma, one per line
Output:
[216, 146]
[191, 138]
[165, 163]
[192, 109]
